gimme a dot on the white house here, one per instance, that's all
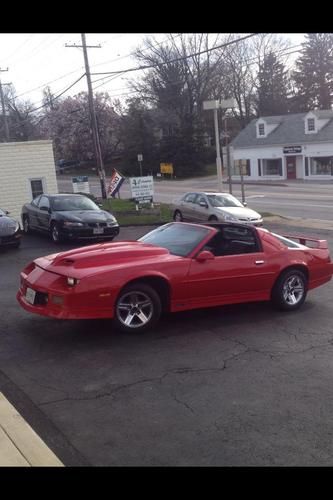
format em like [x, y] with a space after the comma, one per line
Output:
[294, 146]
[27, 169]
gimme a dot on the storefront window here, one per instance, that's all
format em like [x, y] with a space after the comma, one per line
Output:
[272, 167]
[322, 165]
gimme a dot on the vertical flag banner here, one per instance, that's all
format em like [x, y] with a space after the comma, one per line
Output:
[115, 182]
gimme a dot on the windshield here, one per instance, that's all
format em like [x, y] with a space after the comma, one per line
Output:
[223, 200]
[2, 212]
[180, 239]
[64, 203]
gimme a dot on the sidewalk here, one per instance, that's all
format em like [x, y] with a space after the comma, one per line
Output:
[20, 446]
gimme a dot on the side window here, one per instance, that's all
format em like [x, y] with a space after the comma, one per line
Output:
[36, 186]
[190, 198]
[44, 202]
[201, 198]
[233, 241]
[35, 201]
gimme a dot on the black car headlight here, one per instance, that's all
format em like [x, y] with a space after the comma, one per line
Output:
[73, 224]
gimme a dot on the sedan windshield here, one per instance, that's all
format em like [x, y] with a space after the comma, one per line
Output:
[180, 239]
[2, 212]
[225, 200]
[63, 203]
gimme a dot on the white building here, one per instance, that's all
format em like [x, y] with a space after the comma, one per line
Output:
[294, 146]
[27, 169]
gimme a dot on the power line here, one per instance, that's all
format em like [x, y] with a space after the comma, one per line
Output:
[176, 59]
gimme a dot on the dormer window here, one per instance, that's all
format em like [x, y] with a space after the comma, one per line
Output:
[261, 128]
[311, 125]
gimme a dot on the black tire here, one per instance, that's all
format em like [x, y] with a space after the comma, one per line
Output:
[178, 216]
[56, 236]
[213, 218]
[290, 290]
[26, 224]
[137, 309]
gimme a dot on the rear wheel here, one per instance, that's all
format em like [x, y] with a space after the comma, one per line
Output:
[178, 216]
[290, 290]
[138, 308]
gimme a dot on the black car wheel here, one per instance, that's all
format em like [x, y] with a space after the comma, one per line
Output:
[26, 224]
[138, 308]
[177, 216]
[55, 234]
[290, 290]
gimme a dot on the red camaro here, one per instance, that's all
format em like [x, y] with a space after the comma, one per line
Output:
[175, 267]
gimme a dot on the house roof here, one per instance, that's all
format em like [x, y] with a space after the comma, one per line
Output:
[289, 131]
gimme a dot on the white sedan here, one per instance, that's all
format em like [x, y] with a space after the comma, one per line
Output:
[206, 206]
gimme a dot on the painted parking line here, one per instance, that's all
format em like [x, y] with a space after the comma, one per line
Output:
[19, 444]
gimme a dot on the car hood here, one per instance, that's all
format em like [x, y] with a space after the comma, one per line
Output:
[7, 226]
[240, 212]
[85, 215]
[92, 259]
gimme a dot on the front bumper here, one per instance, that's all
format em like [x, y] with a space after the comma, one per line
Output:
[77, 302]
[88, 233]
[12, 240]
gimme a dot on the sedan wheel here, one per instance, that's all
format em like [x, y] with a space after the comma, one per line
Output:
[138, 308]
[55, 234]
[177, 216]
[26, 225]
[290, 290]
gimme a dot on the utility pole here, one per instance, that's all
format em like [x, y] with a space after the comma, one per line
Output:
[4, 108]
[97, 144]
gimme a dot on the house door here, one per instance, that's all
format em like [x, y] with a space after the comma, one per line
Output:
[291, 167]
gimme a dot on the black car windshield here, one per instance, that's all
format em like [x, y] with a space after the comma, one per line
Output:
[64, 203]
[180, 239]
[227, 200]
[2, 212]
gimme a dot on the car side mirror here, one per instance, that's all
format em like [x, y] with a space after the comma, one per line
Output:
[205, 255]
[6, 212]
[244, 204]
[203, 204]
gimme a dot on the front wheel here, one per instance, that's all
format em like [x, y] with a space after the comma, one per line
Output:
[290, 290]
[26, 224]
[55, 234]
[138, 308]
[177, 216]
[213, 218]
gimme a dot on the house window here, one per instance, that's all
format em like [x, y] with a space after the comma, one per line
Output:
[306, 166]
[321, 165]
[36, 187]
[261, 128]
[311, 125]
[272, 167]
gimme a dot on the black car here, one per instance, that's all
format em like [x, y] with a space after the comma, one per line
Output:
[10, 231]
[69, 216]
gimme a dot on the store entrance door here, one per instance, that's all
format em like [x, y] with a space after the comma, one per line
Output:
[291, 167]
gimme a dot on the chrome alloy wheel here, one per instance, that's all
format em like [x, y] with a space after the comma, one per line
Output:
[293, 290]
[134, 309]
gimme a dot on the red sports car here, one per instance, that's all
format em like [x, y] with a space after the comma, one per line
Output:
[175, 267]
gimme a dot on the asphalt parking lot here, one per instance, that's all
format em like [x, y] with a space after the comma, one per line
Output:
[234, 385]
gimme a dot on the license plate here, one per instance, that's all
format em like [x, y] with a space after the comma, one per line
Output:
[98, 230]
[30, 295]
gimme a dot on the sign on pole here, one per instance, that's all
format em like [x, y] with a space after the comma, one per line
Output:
[140, 157]
[80, 184]
[142, 188]
[115, 182]
[166, 168]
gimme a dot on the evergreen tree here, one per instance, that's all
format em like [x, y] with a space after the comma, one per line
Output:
[272, 90]
[313, 76]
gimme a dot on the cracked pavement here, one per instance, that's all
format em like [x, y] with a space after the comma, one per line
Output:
[234, 385]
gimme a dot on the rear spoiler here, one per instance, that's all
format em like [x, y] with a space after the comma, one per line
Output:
[322, 244]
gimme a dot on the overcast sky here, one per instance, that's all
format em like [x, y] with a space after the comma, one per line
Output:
[36, 60]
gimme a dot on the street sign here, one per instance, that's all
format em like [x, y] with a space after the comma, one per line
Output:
[140, 157]
[166, 168]
[292, 149]
[80, 184]
[142, 188]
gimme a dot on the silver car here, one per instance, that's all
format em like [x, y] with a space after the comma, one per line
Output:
[200, 206]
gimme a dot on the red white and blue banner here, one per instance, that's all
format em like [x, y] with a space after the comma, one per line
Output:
[115, 182]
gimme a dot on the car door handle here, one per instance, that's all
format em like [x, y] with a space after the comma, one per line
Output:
[259, 262]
